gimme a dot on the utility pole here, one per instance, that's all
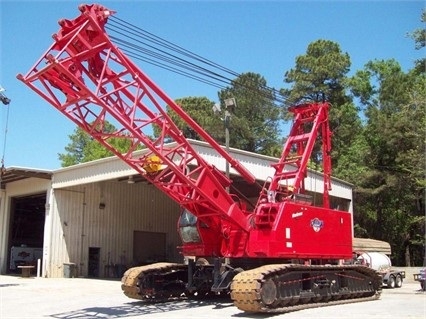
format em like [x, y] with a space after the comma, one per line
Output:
[230, 105]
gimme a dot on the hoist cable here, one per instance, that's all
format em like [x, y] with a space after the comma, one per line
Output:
[132, 50]
[177, 71]
[147, 47]
[167, 44]
[170, 59]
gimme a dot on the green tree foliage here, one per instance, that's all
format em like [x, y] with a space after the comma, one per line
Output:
[254, 124]
[200, 109]
[419, 37]
[321, 74]
[383, 154]
[83, 148]
[389, 197]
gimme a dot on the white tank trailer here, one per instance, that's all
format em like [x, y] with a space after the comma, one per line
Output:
[381, 262]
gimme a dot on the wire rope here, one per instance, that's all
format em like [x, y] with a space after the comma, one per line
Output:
[149, 48]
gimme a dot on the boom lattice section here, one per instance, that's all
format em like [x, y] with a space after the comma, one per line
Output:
[88, 79]
[310, 123]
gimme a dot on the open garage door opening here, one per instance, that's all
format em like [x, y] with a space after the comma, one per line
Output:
[26, 231]
[149, 247]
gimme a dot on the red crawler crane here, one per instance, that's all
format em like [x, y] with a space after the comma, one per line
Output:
[91, 81]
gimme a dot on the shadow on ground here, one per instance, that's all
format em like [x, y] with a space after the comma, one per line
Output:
[8, 285]
[140, 308]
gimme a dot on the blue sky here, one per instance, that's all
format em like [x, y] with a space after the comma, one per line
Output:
[246, 36]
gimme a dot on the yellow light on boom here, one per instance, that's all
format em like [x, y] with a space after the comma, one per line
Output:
[153, 164]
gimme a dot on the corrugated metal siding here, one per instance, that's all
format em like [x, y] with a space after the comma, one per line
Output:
[90, 172]
[128, 207]
[27, 186]
[259, 165]
[65, 226]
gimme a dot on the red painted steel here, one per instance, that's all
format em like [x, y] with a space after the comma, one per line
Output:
[310, 120]
[88, 79]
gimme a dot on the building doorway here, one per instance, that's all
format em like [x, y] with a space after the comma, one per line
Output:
[94, 261]
[26, 230]
[148, 247]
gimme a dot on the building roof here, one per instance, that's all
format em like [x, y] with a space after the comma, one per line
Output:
[112, 167]
[13, 174]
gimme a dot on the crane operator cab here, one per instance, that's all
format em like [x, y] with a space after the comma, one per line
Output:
[199, 235]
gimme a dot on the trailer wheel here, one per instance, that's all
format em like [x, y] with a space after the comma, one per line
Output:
[398, 283]
[391, 281]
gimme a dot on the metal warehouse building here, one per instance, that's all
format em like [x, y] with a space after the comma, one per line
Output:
[102, 218]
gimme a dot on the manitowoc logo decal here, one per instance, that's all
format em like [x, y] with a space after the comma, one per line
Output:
[317, 224]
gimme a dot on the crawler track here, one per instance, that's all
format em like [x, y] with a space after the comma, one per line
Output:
[132, 278]
[285, 288]
[275, 288]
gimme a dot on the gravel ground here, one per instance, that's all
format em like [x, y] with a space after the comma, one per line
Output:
[76, 298]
